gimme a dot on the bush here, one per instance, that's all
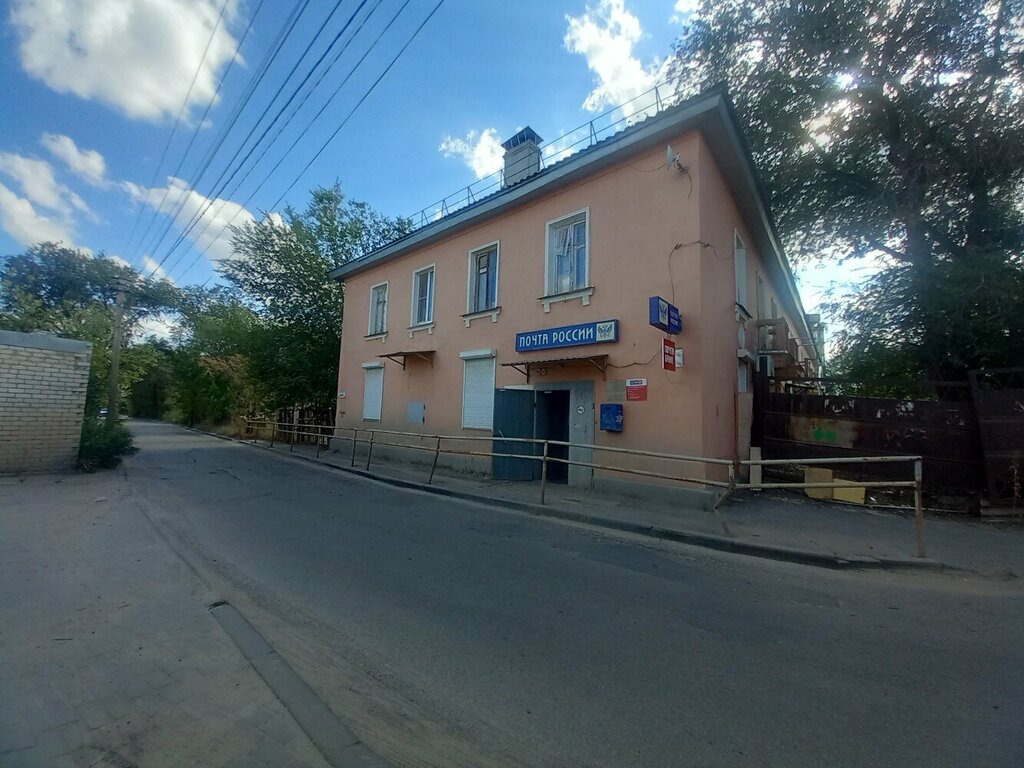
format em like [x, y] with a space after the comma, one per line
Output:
[103, 444]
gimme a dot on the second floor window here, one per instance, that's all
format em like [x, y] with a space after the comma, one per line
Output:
[378, 309]
[423, 296]
[567, 254]
[483, 275]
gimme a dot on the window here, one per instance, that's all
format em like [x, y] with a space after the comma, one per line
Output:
[567, 254]
[478, 389]
[483, 279]
[423, 296]
[373, 390]
[740, 260]
[378, 310]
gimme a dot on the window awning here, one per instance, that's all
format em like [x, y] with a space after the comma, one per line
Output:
[400, 357]
[600, 362]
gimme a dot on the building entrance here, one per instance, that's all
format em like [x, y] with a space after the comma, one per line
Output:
[553, 424]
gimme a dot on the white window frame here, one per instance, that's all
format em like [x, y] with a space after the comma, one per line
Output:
[549, 276]
[474, 356]
[413, 323]
[369, 322]
[375, 365]
[471, 284]
[739, 258]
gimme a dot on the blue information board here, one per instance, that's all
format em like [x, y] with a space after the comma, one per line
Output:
[663, 315]
[601, 332]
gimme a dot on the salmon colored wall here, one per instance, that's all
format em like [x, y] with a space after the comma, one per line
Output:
[638, 211]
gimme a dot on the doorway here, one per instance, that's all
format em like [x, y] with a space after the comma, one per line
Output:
[553, 424]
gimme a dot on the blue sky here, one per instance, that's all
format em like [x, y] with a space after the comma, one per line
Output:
[92, 89]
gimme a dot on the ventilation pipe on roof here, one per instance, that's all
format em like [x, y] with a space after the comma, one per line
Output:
[522, 156]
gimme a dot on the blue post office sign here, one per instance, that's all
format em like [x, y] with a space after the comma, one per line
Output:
[600, 332]
[663, 315]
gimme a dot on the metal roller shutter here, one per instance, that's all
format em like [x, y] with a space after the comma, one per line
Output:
[373, 393]
[478, 393]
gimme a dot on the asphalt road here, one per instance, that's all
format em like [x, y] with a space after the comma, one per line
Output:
[452, 634]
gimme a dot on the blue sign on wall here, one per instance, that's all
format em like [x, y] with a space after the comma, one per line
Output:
[663, 315]
[568, 336]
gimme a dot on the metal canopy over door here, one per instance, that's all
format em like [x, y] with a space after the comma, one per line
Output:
[513, 417]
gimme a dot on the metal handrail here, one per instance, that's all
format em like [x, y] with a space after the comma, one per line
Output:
[544, 456]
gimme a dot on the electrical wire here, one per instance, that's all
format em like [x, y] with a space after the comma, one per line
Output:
[177, 121]
[298, 138]
[199, 124]
[219, 184]
[337, 130]
[250, 89]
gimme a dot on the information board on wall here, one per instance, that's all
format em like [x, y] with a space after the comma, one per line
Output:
[636, 389]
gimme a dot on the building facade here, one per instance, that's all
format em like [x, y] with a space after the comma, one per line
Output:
[542, 310]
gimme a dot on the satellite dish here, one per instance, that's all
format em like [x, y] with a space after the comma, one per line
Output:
[670, 156]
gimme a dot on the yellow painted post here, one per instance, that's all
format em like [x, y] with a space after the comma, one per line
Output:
[544, 473]
[919, 509]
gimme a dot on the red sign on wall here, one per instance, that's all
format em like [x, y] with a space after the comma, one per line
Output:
[636, 389]
[668, 354]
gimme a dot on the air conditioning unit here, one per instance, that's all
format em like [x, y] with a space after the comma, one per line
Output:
[766, 365]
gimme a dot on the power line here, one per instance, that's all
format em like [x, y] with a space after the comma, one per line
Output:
[199, 125]
[336, 131]
[250, 89]
[177, 121]
[219, 184]
[298, 138]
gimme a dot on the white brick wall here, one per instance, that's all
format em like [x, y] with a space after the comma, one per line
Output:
[42, 401]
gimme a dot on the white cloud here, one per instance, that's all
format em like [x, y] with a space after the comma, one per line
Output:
[26, 225]
[158, 326]
[480, 151]
[605, 35]
[138, 57]
[87, 163]
[211, 231]
[684, 9]
[153, 267]
[38, 184]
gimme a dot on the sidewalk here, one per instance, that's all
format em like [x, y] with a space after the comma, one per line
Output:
[108, 654]
[777, 525]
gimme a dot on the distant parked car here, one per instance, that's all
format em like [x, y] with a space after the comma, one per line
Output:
[103, 412]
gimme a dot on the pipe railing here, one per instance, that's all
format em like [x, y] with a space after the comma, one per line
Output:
[542, 453]
[915, 483]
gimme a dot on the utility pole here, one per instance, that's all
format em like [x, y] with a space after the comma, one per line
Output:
[114, 395]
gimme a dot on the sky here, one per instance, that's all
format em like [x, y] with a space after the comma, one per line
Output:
[132, 127]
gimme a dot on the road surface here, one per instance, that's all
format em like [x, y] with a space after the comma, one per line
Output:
[452, 634]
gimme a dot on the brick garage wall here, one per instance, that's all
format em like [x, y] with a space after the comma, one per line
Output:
[42, 401]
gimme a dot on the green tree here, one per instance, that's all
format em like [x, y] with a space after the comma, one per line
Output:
[893, 130]
[281, 266]
[71, 293]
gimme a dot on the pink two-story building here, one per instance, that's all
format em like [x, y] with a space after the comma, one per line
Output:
[542, 309]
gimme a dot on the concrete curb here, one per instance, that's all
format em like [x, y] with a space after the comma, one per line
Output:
[779, 553]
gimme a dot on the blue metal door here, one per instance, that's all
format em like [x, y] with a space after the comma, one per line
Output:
[513, 417]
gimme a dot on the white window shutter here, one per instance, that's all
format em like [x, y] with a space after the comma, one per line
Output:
[373, 393]
[478, 393]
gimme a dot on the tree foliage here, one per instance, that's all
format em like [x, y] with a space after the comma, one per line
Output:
[71, 293]
[281, 267]
[893, 130]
